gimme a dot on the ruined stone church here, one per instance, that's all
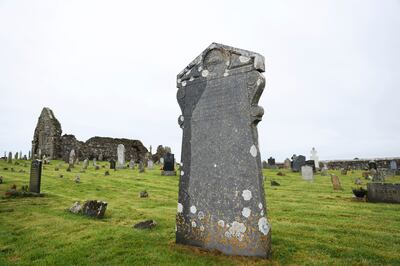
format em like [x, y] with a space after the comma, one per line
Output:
[48, 141]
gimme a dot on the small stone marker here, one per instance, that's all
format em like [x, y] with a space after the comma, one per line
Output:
[150, 164]
[161, 160]
[91, 208]
[35, 176]
[143, 194]
[358, 181]
[132, 164]
[77, 179]
[121, 156]
[274, 183]
[94, 162]
[149, 224]
[307, 172]
[169, 165]
[85, 163]
[383, 192]
[141, 167]
[286, 163]
[336, 182]
[112, 164]
[72, 158]
[221, 201]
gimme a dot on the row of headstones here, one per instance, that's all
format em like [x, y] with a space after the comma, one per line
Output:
[17, 156]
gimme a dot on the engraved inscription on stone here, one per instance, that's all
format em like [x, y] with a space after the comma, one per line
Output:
[35, 176]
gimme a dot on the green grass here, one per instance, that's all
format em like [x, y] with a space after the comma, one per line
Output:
[311, 223]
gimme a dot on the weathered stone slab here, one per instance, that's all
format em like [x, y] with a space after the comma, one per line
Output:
[121, 156]
[336, 182]
[298, 162]
[35, 176]
[221, 201]
[307, 172]
[383, 192]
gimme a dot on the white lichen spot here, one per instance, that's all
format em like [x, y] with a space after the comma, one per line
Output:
[180, 207]
[258, 82]
[260, 206]
[200, 215]
[236, 230]
[188, 72]
[253, 151]
[182, 118]
[226, 73]
[262, 212]
[182, 173]
[184, 83]
[191, 79]
[215, 165]
[200, 69]
[246, 212]
[193, 209]
[176, 228]
[194, 224]
[227, 63]
[263, 225]
[201, 228]
[221, 223]
[246, 194]
[244, 59]
[179, 80]
[181, 164]
[204, 73]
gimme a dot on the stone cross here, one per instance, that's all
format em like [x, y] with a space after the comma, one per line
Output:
[35, 176]
[314, 157]
[121, 156]
[221, 202]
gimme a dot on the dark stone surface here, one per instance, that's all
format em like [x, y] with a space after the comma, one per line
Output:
[1, 180]
[372, 165]
[221, 201]
[94, 208]
[383, 192]
[359, 192]
[274, 183]
[169, 162]
[112, 164]
[149, 224]
[143, 194]
[298, 162]
[311, 163]
[35, 176]
[271, 161]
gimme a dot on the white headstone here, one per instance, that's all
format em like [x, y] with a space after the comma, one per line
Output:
[307, 172]
[121, 156]
[150, 164]
[314, 157]
[71, 157]
[161, 160]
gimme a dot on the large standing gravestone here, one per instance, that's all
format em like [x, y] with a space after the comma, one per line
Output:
[35, 176]
[121, 156]
[307, 172]
[9, 158]
[221, 201]
[298, 162]
[383, 192]
[71, 158]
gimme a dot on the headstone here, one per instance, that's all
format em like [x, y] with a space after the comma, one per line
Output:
[324, 171]
[312, 164]
[77, 179]
[307, 172]
[20, 155]
[286, 163]
[29, 155]
[132, 164]
[72, 158]
[393, 165]
[94, 162]
[221, 201]
[91, 208]
[358, 181]
[85, 163]
[271, 161]
[141, 167]
[101, 157]
[112, 164]
[39, 153]
[383, 192]
[9, 158]
[35, 176]
[336, 182]
[169, 165]
[315, 158]
[161, 160]
[372, 165]
[150, 164]
[121, 156]
[298, 162]
[16, 156]
[264, 165]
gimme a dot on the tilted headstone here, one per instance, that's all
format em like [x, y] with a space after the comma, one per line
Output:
[112, 164]
[383, 192]
[307, 172]
[121, 156]
[221, 201]
[315, 158]
[35, 176]
[298, 162]
[20, 155]
[336, 182]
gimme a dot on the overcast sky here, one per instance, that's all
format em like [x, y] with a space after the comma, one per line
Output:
[108, 68]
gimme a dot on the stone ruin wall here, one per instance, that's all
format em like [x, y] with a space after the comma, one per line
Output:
[361, 164]
[47, 138]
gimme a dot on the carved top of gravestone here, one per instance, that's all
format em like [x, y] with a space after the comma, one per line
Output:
[221, 203]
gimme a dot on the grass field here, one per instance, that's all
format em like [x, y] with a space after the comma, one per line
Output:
[311, 223]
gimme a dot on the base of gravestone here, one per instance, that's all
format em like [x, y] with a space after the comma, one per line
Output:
[168, 173]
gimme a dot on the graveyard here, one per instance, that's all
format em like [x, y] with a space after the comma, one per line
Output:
[311, 223]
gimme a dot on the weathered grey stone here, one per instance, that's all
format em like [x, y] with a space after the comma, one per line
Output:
[383, 192]
[143, 194]
[162, 161]
[264, 165]
[150, 164]
[336, 182]
[393, 165]
[9, 158]
[221, 201]
[307, 172]
[77, 179]
[298, 162]
[35, 176]
[148, 224]
[131, 164]
[287, 163]
[358, 181]
[91, 208]
[112, 164]
[85, 163]
[121, 156]
[71, 160]
[141, 167]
